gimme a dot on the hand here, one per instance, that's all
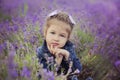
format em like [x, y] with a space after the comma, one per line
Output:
[52, 49]
[59, 52]
[58, 59]
[62, 52]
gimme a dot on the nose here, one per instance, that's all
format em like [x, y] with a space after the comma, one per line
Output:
[56, 38]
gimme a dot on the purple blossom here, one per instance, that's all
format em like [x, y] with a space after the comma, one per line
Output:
[117, 65]
[26, 72]
[51, 76]
[48, 75]
[3, 46]
[50, 59]
[99, 17]
[33, 39]
[12, 73]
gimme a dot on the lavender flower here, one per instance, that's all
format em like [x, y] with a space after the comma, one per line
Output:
[117, 65]
[12, 71]
[26, 72]
[97, 17]
[47, 75]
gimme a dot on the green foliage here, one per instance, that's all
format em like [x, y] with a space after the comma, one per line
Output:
[28, 59]
[83, 41]
[3, 70]
[98, 66]
[84, 36]
[94, 65]
[4, 17]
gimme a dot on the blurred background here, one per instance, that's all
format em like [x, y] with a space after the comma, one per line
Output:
[96, 36]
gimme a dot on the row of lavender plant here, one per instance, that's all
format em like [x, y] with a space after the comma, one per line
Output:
[23, 30]
[18, 47]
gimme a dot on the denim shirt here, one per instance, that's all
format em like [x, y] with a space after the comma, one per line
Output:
[42, 50]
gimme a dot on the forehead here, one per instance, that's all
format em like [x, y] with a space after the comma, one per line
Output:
[57, 29]
[59, 24]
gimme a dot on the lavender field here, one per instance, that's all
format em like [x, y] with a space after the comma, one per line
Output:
[96, 37]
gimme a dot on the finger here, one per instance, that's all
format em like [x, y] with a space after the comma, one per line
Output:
[58, 59]
[53, 49]
[59, 54]
[49, 47]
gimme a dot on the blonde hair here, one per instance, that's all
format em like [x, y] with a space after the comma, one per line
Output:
[60, 16]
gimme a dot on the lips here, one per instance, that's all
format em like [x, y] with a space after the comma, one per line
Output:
[54, 44]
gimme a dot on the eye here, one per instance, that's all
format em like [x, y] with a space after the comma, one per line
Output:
[62, 35]
[52, 32]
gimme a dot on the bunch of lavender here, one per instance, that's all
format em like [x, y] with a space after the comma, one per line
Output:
[52, 69]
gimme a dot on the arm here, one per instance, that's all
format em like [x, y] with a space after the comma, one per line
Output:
[40, 55]
[59, 54]
[69, 54]
[76, 61]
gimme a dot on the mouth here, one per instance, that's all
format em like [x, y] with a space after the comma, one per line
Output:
[54, 44]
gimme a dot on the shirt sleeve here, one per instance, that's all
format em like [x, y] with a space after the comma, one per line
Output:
[75, 59]
[39, 52]
[40, 55]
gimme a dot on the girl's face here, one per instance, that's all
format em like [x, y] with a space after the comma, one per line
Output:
[57, 35]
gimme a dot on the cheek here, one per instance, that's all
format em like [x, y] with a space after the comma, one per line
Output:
[64, 41]
[47, 38]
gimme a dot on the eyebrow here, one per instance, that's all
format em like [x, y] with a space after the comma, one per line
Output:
[52, 30]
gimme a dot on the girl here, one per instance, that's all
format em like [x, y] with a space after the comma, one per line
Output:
[57, 30]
